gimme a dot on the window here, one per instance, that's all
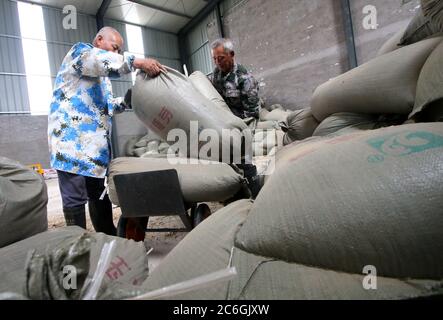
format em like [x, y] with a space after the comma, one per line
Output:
[35, 51]
[135, 43]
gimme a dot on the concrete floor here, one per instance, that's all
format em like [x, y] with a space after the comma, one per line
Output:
[162, 243]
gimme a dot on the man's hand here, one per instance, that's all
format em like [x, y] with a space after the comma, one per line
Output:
[150, 66]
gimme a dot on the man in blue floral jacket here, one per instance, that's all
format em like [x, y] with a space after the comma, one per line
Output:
[79, 124]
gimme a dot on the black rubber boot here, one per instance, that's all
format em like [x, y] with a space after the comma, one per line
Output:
[100, 212]
[250, 173]
[254, 185]
[75, 216]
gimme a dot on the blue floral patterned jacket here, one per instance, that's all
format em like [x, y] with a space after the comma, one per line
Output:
[79, 120]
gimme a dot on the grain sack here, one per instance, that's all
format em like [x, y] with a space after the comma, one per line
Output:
[276, 115]
[418, 29]
[129, 263]
[138, 152]
[273, 107]
[267, 125]
[23, 200]
[371, 198]
[170, 101]
[261, 278]
[386, 84]
[206, 249]
[199, 182]
[262, 114]
[139, 142]
[338, 121]
[265, 140]
[433, 10]
[299, 125]
[205, 87]
[130, 146]
[429, 86]
[392, 43]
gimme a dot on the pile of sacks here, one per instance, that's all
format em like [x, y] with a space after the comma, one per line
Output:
[316, 232]
[148, 146]
[350, 207]
[403, 83]
[23, 200]
[172, 101]
[42, 266]
[266, 132]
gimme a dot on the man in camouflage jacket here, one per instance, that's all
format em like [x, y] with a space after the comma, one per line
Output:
[235, 84]
[239, 89]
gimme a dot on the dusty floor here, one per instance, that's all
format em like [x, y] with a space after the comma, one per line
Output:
[162, 243]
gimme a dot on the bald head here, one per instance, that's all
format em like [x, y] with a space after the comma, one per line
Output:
[108, 39]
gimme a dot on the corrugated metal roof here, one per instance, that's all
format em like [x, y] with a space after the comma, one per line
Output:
[146, 13]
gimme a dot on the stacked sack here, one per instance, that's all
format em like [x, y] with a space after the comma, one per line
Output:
[195, 99]
[147, 146]
[326, 227]
[170, 101]
[402, 83]
[23, 200]
[345, 202]
[215, 181]
[35, 267]
[266, 131]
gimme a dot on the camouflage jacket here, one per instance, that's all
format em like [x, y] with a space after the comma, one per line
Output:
[239, 89]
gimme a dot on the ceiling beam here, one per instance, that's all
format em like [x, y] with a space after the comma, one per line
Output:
[221, 29]
[100, 15]
[158, 8]
[199, 17]
[349, 33]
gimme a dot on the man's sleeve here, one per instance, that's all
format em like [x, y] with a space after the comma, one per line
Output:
[249, 96]
[94, 62]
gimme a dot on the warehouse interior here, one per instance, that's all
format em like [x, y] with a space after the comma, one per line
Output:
[347, 144]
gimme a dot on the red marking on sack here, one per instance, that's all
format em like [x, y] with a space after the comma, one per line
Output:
[157, 124]
[166, 115]
[162, 119]
[114, 271]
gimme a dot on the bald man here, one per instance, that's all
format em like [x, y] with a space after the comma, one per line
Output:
[79, 124]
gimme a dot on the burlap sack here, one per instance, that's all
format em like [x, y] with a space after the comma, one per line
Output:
[199, 182]
[433, 10]
[299, 125]
[206, 249]
[23, 200]
[170, 101]
[386, 84]
[341, 120]
[368, 198]
[430, 89]
[418, 29]
[392, 43]
[266, 140]
[276, 115]
[205, 87]
[128, 265]
[262, 114]
[263, 125]
[261, 278]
